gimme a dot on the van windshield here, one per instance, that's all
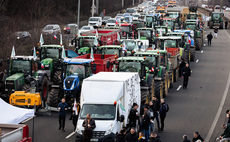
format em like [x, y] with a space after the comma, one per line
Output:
[98, 111]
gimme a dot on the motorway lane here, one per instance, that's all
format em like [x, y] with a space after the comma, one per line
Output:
[194, 109]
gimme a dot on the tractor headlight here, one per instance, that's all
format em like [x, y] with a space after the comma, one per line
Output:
[64, 86]
[110, 130]
[78, 130]
[71, 88]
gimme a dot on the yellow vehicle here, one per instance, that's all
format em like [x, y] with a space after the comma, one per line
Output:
[174, 3]
[161, 10]
[170, 4]
[22, 98]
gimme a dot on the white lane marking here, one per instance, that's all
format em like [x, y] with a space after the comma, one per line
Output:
[206, 39]
[227, 33]
[204, 44]
[191, 71]
[27, 120]
[197, 60]
[201, 51]
[178, 88]
[219, 110]
[70, 135]
[205, 35]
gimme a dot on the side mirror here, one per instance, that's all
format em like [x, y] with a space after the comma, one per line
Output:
[122, 118]
[71, 42]
[107, 64]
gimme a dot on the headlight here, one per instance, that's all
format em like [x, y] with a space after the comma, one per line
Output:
[192, 33]
[84, 52]
[78, 130]
[72, 86]
[110, 130]
[64, 86]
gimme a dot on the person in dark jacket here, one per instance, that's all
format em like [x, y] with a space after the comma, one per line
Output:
[197, 137]
[154, 137]
[185, 138]
[186, 75]
[215, 32]
[226, 133]
[209, 37]
[133, 116]
[121, 136]
[62, 108]
[226, 24]
[131, 136]
[145, 124]
[163, 111]
[153, 112]
[182, 66]
[157, 104]
[76, 111]
[228, 115]
[89, 125]
[142, 137]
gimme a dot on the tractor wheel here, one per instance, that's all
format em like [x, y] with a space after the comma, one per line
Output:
[165, 85]
[26, 87]
[210, 25]
[144, 95]
[198, 44]
[57, 77]
[221, 25]
[157, 89]
[192, 54]
[175, 75]
[171, 77]
[45, 89]
[152, 90]
[53, 97]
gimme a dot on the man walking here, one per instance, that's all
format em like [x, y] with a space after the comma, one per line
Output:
[133, 116]
[76, 111]
[209, 37]
[163, 110]
[62, 108]
[186, 75]
[215, 32]
[156, 104]
[89, 125]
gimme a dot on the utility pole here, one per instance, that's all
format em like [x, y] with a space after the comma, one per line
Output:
[93, 8]
[213, 5]
[133, 2]
[122, 3]
[78, 16]
[97, 6]
[221, 5]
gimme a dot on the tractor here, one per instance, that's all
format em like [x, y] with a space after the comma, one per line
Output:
[85, 43]
[150, 21]
[111, 50]
[130, 46]
[216, 20]
[146, 34]
[160, 30]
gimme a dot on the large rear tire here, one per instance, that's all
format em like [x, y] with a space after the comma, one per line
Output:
[192, 54]
[26, 87]
[45, 89]
[221, 25]
[198, 44]
[210, 25]
[57, 77]
[157, 93]
[165, 85]
[176, 75]
[53, 97]
[144, 96]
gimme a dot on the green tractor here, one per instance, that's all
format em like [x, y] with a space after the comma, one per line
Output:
[160, 71]
[197, 32]
[160, 30]
[150, 21]
[145, 34]
[111, 50]
[216, 20]
[84, 44]
[149, 87]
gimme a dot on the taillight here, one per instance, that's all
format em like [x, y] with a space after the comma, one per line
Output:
[25, 131]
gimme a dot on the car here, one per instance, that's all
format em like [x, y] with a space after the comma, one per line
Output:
[224, 7]
[120, 16]
[85, 29]
[136, 16]
[111, 22]
[51, 29]
[68, 27]
[22, 34]
[126, 14]
[131, 11]
[95, 22]
[105, 20]
[217, 7]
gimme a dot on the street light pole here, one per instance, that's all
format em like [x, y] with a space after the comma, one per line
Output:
[122, 3]
[78, 16]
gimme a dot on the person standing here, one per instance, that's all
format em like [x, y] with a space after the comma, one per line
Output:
[76, 111]
[182, 65]
[215, 32]
[141, 137]
[62, 108]
[185, 138]
[186, 75]
[153, 112]
[226, 24]
[196, 136]
[145, 124]
[209, 37]
[226, 133]
[133, 116]
[163, 110]
[131, 136]
[89, 125]
[156, 104]
[228, 115]
[121, 136]
[154, 137]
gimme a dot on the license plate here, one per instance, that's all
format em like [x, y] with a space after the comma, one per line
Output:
[94, 140]
[46, 65]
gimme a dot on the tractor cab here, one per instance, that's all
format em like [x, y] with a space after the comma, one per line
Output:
[161, 30]
[126, 31]
[130, 46]
[149, 21]
[169, 22]
[145, 34]
[111, 50]
[85, 43]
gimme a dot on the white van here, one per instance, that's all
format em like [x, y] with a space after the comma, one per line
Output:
[95, 22]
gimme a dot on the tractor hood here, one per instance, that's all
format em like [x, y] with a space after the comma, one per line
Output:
[71, 82]
[83, 49]
[46, 61]
[15, 76]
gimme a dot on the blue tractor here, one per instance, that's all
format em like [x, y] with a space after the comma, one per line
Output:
[74, 71]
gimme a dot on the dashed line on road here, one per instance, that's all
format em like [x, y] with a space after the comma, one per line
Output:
[70, 135]
[27, 120]
[204, 44]
[197, 60]
[219, 110]
[227, 33]
[201, 51]
[178, 88]
[206, 39]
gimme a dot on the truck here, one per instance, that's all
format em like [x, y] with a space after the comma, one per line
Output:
[111, 50]
[170, 4]
[108, 97]
[14, 133]
[216, 20]
[161, 10]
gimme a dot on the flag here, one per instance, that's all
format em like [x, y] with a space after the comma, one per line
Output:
[166, 24]
[95, 41]
[78, 33]
[124, 47]
[160, 31]
[75, 105]
[63, 53]
[34, 54]
[91, 54]
[118, 37]
[152, 69]
[60, 39]
[96, 33]
[42, 65]
[12, 52]
[41, 40]
[55, 37]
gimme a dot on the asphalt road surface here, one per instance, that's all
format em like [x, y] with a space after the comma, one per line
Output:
[200, 108]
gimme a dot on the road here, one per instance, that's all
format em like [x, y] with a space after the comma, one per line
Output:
[192, 109]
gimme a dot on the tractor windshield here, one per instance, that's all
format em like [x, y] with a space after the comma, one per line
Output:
[149, 19]
[129, 45]
[161, 30]
[191, 26]
[86, 42]
[131, 66]
[144, 33]
[98, 111]
[53, 53]
[20, 66]
[168, 22]
[125, 28]
[215, 15]
[78, 70]
[109, 51]
[173, 15]
[192, 16]
[170, 43]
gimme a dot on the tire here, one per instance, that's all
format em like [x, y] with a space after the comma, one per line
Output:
[175, 75]
[210, 25]
[57, 77]
[165, 85]
[221, 25]
[144, 95]
[26, 87]
[53, 99]
[192, 54]
[45, 89]
[157, 92]
[198, 44]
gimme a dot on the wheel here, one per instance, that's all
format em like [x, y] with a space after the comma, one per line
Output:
[157, 92]
[45, 89]
[198, 44]
[221, 25]
[26, 87]
[144, 95]
[53, 97]
[192, 54]
[175, 75]
[165, 85]
[57, 77]
[210, 25]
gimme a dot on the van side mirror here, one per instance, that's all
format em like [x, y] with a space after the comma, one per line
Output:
[122, 118]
